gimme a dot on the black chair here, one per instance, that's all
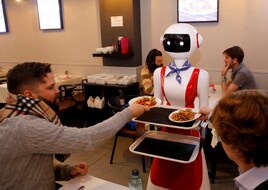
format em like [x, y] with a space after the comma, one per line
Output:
[3, 79]
[72, 100]
[118, 104]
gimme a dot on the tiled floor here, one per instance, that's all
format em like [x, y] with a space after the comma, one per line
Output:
[124, 161]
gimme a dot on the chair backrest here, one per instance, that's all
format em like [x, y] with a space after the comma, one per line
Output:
[118, 103]
[66, 91]
[3, 79]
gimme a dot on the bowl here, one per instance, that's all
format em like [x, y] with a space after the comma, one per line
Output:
[110, 49]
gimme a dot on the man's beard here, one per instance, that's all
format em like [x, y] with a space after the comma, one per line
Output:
[53, 105]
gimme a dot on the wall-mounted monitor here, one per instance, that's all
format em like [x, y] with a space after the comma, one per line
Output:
[3, 17]
[50, 14]
[198, 10]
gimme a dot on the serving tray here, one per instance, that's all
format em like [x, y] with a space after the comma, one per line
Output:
[167, 146]
[159, 116]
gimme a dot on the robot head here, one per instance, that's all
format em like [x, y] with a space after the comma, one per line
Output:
[181, 40]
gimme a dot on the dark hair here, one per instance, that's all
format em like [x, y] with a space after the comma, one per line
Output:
[26, 74]
[150, 60]
[235, 52]
[241, 121]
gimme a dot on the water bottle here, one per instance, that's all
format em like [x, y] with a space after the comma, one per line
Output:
[135, 182]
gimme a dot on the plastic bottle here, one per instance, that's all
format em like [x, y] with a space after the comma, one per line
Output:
[135, 182]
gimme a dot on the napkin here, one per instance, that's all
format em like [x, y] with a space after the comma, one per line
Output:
[90, 102]
[215, 137]
[99, 103]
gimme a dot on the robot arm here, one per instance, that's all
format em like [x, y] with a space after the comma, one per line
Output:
[203, 88]
[157, 85]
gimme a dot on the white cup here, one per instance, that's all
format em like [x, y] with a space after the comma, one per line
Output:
[110, 49]
[104, 50]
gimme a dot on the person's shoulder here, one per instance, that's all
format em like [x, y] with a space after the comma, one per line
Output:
[22, 122]
[24, 119]
[145, 68]
[243, 67]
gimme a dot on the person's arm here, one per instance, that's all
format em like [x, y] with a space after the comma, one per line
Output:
[67, 172]
[227, 86]
[231, 88]
[205, 112]
[147, 82]
[157, 85]
[39, 136]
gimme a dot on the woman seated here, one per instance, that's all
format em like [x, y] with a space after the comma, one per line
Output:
[153, 61]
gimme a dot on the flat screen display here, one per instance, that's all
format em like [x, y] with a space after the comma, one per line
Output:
[198, 10]
[3, 19]
[50, 14]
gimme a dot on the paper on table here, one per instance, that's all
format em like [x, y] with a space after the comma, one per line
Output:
[90, 183]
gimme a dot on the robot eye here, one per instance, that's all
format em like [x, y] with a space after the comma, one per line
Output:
[177, 42]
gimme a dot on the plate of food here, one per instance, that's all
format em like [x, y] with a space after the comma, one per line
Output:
[149, 101]
[184, 115]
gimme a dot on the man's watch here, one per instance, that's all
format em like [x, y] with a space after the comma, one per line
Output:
[223, 79]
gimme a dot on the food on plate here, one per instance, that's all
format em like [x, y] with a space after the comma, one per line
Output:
[147, 101]
[183, 115]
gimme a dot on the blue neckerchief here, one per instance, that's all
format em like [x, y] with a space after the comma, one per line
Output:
[173, 69]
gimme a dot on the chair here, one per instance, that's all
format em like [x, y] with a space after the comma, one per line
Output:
[3, 79]
[117, 104]
[72, 100]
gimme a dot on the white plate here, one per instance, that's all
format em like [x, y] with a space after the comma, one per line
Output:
[158, 101]
[197, 115]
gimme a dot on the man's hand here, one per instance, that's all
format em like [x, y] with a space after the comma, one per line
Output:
[225, 69]
[79, 169]
[138, 109]
[205, 111]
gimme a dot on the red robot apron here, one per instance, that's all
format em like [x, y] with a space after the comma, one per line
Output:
[174, 175]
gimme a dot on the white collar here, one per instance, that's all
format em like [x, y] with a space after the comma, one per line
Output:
[252, 178]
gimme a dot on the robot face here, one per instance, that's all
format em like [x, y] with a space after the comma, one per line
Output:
[177, 43]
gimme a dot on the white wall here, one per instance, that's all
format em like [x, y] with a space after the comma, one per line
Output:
[241, 22]
[69, 49]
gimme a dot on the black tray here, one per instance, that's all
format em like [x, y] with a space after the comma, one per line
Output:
[159, 116]
[167, 146]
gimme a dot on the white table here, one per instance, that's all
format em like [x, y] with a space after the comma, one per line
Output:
[67, 79]
[214, 97]
[59, 79]
[90, 183]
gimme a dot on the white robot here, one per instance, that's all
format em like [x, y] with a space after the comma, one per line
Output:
[178, 85]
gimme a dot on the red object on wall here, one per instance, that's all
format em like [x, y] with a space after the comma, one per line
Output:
[124, 45]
